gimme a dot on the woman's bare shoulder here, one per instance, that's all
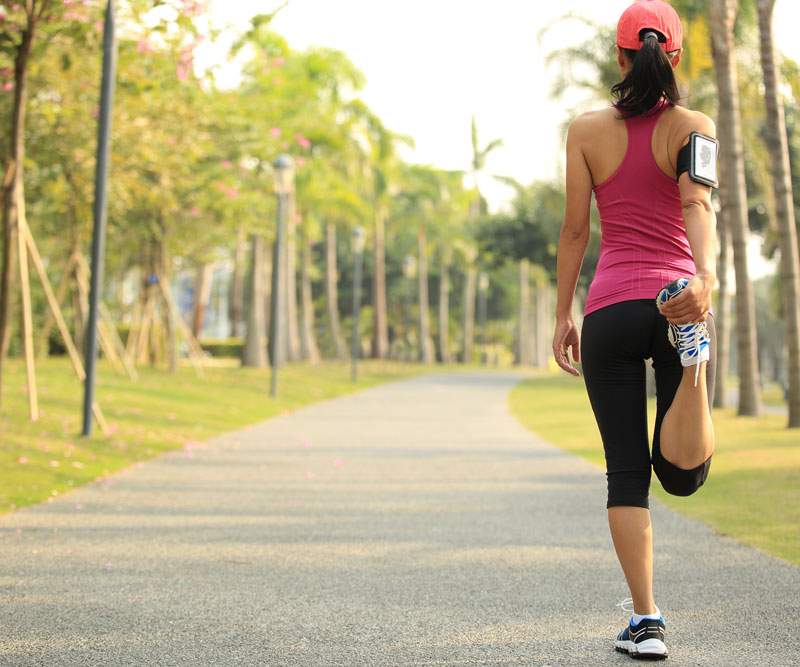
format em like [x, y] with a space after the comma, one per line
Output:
[686, 121]
[590, 122]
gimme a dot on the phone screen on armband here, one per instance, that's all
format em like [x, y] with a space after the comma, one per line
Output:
[703, 164]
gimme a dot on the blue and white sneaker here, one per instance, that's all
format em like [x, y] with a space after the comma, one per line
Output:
[691, 339]
[644, 641]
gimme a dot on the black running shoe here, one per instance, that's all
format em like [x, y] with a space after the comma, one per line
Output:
[645, 640]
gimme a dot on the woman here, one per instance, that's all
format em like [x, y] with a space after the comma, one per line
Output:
[658, 244]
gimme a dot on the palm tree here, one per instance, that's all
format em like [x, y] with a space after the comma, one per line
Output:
[723, 17]
[782, 186]
[477, 165]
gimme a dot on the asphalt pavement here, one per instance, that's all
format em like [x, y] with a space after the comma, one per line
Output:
[416, 523]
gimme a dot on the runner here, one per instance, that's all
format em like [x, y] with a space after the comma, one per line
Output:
[651, 165]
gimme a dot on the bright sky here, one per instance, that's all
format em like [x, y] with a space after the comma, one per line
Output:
[431, 64]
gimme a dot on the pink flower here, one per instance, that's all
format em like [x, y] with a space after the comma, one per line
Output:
[233, 193]
[22, 459]
[54, 464]
[226, 164]
[302, 141]
[300, 162]
[8, 85]
[297, 218]
[98, 26]
[275, 132]
[279, 61]
[195, 213]
[143, 46]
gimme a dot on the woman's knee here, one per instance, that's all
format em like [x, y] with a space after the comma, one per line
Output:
[678, 481]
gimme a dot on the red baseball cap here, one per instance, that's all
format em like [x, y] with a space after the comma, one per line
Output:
[654, 14]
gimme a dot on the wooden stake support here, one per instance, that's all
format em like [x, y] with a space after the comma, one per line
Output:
[29, 243]
[193, 349]
[27, 317]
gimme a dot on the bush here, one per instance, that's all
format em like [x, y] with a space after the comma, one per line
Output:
[228, 348]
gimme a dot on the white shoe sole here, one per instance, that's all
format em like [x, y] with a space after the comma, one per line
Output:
[649, 649]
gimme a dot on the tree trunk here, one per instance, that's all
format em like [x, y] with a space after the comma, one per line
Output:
[469, 314]
[14, 190]
[524, 301]
[723, 15]
[254, 352]
[380, 344]
[202, 293]
[778, 146]
[308, 343]
[426, 355]
[292, 327]
[722, 314]
[444, 307]
[237, 287]
[331, 292]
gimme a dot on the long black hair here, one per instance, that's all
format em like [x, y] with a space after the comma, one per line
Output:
[649, 80]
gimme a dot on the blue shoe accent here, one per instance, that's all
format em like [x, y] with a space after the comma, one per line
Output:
[691, 340]
[644, 640]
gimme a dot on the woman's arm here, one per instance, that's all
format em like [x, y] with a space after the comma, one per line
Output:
[700, 221]
[572, 243]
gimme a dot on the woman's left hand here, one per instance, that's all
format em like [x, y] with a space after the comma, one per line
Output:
[692, 304]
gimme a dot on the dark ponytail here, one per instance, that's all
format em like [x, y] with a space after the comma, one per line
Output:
[650, 79]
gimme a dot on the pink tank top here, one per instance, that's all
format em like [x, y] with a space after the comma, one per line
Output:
[643, 240]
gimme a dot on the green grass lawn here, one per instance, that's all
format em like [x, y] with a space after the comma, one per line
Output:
[752, 493]
[160, 412]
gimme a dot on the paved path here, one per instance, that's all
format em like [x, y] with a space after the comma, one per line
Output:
[416, 523]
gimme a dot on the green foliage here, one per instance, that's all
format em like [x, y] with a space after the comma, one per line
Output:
[226, 348]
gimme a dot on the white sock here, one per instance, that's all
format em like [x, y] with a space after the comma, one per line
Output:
[637, 618]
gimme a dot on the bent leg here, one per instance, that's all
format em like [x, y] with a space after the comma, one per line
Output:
[683, 441]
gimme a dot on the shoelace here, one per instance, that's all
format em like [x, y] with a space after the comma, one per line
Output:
[696, 335]
[624, 605]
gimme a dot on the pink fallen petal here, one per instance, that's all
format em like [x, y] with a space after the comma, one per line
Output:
[337, 463]
[22, 459]
[54, 464]
[310, 475]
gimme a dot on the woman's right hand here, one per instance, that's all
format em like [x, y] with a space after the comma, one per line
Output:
[566, 337]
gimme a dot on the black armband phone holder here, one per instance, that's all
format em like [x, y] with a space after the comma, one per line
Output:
[699, 158]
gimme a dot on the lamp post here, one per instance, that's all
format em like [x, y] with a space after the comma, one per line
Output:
[409, 270]
[357, 242]
[483, 288]
[100, 208]
[284, 184]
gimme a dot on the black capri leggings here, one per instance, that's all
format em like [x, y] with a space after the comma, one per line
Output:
[615, 342]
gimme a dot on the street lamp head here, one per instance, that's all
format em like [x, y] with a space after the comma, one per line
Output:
[483, 281]
[358, 240]
[284, 174]
[409, 266]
